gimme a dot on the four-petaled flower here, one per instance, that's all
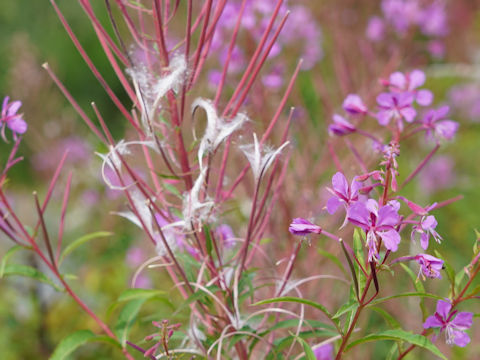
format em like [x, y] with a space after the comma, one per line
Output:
[11, 119]
[436, 126]
[303, 227]
[410, 82]
[430, 266]
[342, 192]
[425, 229]
[377, 222]
[396, 106]
[454, 323]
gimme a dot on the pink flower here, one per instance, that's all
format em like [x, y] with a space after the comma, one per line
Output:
[378, 222]
[410, 82]
[340, 126]
[454, 323]
[11, 119]
[303, 227]
[353, 104]
[396, 106]
[436, 126]
[425, 229]
[430, 266]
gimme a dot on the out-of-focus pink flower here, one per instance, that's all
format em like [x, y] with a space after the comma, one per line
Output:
[437, 127]
[410, 82]
[396, 106]
[303, 227]
[354, 104]
[375, 29]
[10, 117]
[340, 126]
[324, 352]
[437, 174]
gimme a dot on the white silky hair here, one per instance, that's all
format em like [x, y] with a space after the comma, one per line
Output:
[258, 162]
[217, 129]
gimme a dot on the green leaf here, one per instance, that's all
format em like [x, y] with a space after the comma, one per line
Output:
[448, 269]
[409, 294]
[350, 306]
[388, 318]
[208, 240]
[7, 256]
[132, 294]
[69, 344]
[296, 300]
[400, 335]
[334, 259]
[81, 240]
[309, 355]
[31, 272]
[198, 295]
[418, 286]
[126, 318]
[310, 98]
[171, 189]
[358, 249]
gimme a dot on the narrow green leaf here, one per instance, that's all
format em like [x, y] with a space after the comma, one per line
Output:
[310, 98]
[126, 318]
[81, 240]
[350, 306]
[198, 295]
[334, 259]
[69, 344]
[31, 272]
[388, 318]
[208, 240]
[400, 335]
[358, 249]
[296, 300]
[418, 286]
[7, 256]
[309, 355]
[448, 269]
[172, 189]
[132, 294]
[409, 294]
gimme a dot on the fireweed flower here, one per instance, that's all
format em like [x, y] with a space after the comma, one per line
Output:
[396, 106]
[425, 229]
[324, 352]
[10, 117]
[354, 105]
[340, 126]
[342, 192]
[376, 222]
[375, 29]
[410, 82]
[430, 266]
[436, 126]
[303, 227]
[453, 323]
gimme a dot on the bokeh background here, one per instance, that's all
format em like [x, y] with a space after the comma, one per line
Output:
[34, 317]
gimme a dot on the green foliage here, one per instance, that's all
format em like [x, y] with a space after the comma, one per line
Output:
[399, 335]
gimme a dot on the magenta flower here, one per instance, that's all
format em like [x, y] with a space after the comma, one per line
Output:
[375, 29]
[340, 126]
[410, 82]
[342, 193]
[436, 126]
[430, 266]
[225, 233]
[303, 227]
[324, 352]
[454, 323]
[11, 119]
[425, 229]
[353, 104]
[377, 223]
[396, 106]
